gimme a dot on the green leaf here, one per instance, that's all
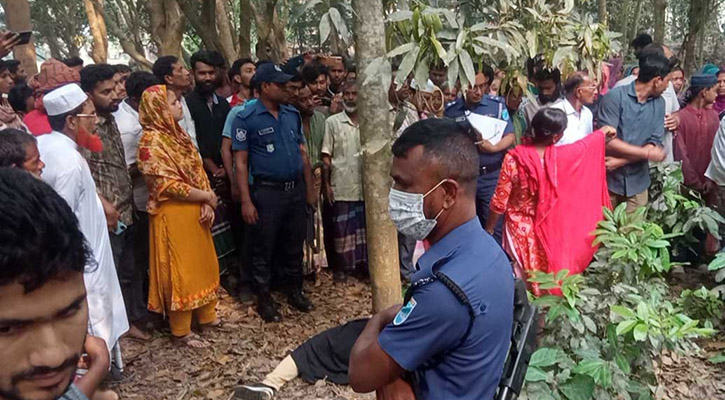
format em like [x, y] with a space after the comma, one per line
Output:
[623, 364]
[717, 263]
[625, 326]
[658, 244]
[325, 28]
[535, 374]
[339, 24]
[624, 312]
[718, 359]
[640, 332]
[407, 65]
[545, 357]
[401, 15]
[453, 69]
[439, 48]
[580, 387]
[467, 64]
[421, 74]
[302, 8]
[402, 49]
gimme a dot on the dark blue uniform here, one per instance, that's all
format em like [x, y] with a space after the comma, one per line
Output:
[278, 191]
[452, 354]
[489, 163]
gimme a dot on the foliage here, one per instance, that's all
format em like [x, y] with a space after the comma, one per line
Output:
[602, 335]
[333, 20]
[702, 304]
[679, 210]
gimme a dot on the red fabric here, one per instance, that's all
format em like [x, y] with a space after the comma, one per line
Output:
[572, 189]
[37, 122]
[236, 100]
[693, 143]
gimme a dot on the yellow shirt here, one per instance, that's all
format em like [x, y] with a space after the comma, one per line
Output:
[342, 143]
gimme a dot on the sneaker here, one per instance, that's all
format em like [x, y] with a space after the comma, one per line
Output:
[258, 391]
[267, 309]
[298, 300]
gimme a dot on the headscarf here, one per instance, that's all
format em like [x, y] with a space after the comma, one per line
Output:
[9, 118]
[166, 155]
[709, 69]
[53, 74]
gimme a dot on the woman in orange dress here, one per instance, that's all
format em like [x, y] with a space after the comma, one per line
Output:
[184, 271]
[552, 198]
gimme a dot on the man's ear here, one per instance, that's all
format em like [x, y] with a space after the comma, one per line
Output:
[167, 79]
[452, 190]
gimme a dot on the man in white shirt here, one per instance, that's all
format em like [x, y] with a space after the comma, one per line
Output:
[579, 89]
[171, 72]
[72, 115]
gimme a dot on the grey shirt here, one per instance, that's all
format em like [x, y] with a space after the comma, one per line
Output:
[73, 393]
[638, 124]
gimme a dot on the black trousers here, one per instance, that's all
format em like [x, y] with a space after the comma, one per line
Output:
[130, 276]
[277, 239]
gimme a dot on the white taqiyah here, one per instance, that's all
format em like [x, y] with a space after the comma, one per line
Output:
[64, 99]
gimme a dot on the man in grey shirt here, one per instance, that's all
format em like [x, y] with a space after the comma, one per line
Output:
[637, 111]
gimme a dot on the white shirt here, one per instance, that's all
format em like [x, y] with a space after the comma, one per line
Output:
[716, 169]
[188, 123]
[67, 172]
[671, 105]
[131, 131]
[579, 124]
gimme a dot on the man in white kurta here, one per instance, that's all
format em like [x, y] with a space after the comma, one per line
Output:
[68, 173]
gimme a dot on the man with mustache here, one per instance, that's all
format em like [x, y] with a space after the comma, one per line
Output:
[547, 84]
[72, 116]
[43, 308]
[342, 187]
[103, 84]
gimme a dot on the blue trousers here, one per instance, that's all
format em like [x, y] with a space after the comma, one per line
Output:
[485, 188]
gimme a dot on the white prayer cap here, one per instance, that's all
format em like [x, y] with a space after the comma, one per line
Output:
[64, 99]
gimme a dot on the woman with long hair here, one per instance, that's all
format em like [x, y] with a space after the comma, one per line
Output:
[552, 197]
[184, 271]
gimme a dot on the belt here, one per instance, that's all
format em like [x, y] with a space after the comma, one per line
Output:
[280, 185]
[490, 168]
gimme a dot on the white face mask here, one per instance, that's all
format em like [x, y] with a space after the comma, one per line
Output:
[406, 211]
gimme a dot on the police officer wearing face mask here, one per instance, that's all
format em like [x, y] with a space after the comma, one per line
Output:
[450, 339]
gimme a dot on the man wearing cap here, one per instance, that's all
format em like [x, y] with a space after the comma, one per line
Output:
[698, 125]
[268, 142]
[72, 116]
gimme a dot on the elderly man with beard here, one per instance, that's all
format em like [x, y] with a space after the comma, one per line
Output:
[342, 186]
[115, 189]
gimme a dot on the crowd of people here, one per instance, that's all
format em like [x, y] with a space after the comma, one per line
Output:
[158, 184]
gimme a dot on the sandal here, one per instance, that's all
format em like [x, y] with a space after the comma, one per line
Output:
[193, 340]
[213, 324]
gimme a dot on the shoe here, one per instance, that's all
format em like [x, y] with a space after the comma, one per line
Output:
[267, 309]
[259, 391]
[298, 300]
[339, 277]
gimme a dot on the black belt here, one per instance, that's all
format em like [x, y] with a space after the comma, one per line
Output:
[280, 185]
[490, 168]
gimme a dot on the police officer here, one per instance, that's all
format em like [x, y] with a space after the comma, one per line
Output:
[267, 141]
[451, 338]
[477, 101]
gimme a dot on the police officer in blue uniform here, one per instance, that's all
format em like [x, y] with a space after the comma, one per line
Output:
[267, 141]
[477, 101]
[451, 338]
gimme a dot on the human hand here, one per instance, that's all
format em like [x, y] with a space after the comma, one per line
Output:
[8, 40]
[317, 100]
[336, 104]
[219, 173]
[249, 213]
[97, 357]
[212, 200]
[112, 216]
[398, 390]
[207, 215]
[387, 315]
[655, 153]
[610, 132]
[672, 122]
[312, 197]
[328, 195]
[613, 163]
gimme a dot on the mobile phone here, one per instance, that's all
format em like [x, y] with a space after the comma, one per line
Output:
[120, 227]
[24, 37]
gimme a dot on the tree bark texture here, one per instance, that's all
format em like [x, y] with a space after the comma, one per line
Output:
[99, 47]
[635, 20]
[227, 36]
[201, 14]
[660, 9]
[603, 16]
[697, 15]
[167, 26]
[369, 29]
[271, 39]
[245, 29]
[127, 44]
[17, 16]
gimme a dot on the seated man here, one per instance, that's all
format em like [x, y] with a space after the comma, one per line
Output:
[324, 356]
[43, 308]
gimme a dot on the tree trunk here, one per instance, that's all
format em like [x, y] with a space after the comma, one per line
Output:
[128, 45]
[697, 15]
[603, 16]
[99, 48]
[203, 21]
[245, 29]
[226, 31]
[167, 26]
[375, 126]
[623, 23]
[271, 40]
[17, 15]
[660, 9]
[635, 20]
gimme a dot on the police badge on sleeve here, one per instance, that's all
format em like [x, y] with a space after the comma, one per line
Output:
[404, 312]
[241, 135]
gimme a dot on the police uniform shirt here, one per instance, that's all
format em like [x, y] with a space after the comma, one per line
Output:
[272, 143]
[433, 322]
[490, 106]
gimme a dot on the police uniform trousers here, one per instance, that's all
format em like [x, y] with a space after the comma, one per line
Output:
[277, 239]
[485, 188]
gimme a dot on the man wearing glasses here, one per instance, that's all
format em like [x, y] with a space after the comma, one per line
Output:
[490, 156]
[72, 116]
[579, 89]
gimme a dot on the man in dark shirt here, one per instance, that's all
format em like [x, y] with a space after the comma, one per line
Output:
[637, 111]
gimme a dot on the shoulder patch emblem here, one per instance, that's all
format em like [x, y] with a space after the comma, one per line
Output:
[241, 135]
[404, 312]
[505, 114]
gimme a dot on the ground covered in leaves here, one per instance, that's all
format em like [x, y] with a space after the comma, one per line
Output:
[243, 350]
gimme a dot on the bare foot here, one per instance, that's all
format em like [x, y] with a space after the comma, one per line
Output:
[104, 395]
[193, 340]
[135, 332]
